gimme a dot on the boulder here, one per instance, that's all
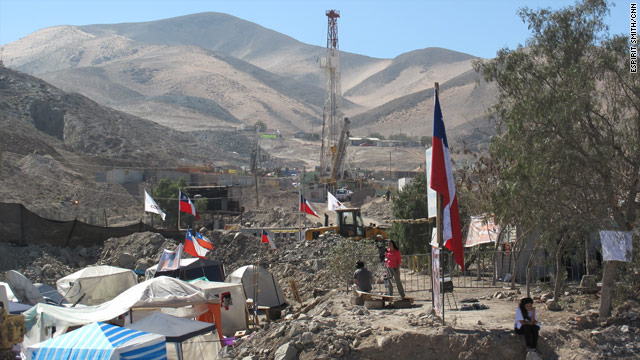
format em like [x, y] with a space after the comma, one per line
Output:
[287, 351]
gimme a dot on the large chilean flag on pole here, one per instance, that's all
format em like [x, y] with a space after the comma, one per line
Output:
[442, 182]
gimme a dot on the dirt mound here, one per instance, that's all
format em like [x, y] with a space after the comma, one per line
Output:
[378, 209]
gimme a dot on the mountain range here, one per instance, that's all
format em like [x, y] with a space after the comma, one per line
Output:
[215, 71]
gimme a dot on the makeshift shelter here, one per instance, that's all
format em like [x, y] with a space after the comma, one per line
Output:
[179, 331]
[191, 269]
[94, 285]
[101, 341]
[233, 308]
[50, 294]
[268, 291]
[23, 288]
[173, 296]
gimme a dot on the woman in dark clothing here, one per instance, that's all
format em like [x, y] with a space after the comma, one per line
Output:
[527, 323]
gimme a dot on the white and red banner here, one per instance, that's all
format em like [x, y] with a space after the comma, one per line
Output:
[333, 203]
[442, 182]
[151, 206]
[482, 230]
[435, 280]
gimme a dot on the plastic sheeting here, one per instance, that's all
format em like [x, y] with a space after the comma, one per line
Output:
[161, 292]
[616, 245]
[23, 288]
[97, 283]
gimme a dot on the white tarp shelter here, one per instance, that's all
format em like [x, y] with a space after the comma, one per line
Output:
[97, 283]
[173, 296]
[101, 341]
[233, 304]
[268, 291]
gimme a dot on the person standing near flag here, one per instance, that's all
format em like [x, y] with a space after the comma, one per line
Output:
[393, 259]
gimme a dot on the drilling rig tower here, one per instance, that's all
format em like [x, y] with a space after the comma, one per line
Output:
[334, 133]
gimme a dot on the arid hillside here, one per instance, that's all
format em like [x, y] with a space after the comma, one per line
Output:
[215, 71]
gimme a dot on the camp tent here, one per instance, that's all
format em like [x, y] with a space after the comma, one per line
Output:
[191, 269]
[191, 338]
[233, 308]
[97, 283]
[101, 341]
[268, 291]
[174, 296]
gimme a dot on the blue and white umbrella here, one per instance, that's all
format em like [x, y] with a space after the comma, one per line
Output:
[101, 341]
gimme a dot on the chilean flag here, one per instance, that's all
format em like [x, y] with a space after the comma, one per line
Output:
[442, 182]
[192, 247]
[266, 238]
[306, 208]
[186, 205]
[204, 241]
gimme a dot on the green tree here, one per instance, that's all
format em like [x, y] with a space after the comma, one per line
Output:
[426, 140]
[411, 203]
[261, 125]
[166, 195]
[568, 117]
[399, 137]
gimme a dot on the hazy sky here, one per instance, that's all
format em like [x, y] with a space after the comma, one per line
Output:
[376, 28]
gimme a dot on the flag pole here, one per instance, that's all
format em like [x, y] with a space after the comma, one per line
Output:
[299, 204]
[439, 228]
[179, 193]
[256, 274]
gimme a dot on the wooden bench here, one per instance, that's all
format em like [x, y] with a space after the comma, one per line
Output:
[384, 298]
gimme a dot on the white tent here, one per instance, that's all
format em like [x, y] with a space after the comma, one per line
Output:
[174, 296]
[233, 304]
[97, 283]
[101, 341]
[268, 291]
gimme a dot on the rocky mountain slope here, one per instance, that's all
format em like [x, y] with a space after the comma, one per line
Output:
[213, 70]
[52, 143]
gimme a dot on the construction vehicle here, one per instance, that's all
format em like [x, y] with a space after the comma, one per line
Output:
[12, 330]
[350, 225]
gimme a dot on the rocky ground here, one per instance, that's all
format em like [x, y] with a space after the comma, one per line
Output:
[326, 325]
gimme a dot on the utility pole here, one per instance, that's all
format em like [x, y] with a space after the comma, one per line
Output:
[389, 165]
[257, 162]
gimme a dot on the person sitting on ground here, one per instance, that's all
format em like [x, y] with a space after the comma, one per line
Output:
[362, 277]
[527, 323]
